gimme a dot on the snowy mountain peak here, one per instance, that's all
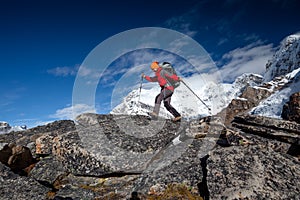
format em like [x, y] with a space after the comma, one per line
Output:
[6, 128]
[286, 59]
[247, 80]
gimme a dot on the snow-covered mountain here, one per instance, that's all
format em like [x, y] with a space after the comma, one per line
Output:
[6, 128]
[286, 59]
[281, 71]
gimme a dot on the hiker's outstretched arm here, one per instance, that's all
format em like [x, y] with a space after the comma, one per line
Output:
[151, 79]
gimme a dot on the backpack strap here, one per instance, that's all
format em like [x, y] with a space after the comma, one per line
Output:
[163, 73]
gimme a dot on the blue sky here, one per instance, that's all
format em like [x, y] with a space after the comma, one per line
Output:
[43, 44]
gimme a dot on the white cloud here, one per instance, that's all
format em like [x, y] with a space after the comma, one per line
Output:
[72, 111]
[88, 72]
[222, 41]
[249, 59]
[64, 71]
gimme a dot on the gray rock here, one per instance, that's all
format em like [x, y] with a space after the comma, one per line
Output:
[281, 130]
[253, 172]
[13, 186]
[47, 171]
[68, 149]
[124, 143]
[44, 145]
[179, 163]
[74, 193]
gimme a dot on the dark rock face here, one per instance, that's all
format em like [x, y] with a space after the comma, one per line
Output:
[291, 110]
[249, 98]
[125, 144]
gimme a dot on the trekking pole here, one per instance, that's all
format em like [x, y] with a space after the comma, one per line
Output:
[139, 97]
[195, 95]
[141, 85]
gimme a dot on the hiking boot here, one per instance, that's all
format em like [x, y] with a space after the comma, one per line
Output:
[177, 119]
[153, 116]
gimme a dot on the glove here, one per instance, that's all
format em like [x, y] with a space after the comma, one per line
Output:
[143, 75]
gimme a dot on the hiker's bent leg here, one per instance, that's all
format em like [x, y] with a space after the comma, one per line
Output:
[170, 108]
[167, 103]
[158, 100]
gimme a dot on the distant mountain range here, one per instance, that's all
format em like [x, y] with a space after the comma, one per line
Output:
[6, 128]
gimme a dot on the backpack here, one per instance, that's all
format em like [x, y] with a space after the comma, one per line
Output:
[167, 68]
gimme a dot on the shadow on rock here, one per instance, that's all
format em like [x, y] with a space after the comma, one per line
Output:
[202, 186]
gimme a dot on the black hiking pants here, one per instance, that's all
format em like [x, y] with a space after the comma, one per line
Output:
[165, 96]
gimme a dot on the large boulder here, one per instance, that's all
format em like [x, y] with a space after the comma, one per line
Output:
[291, 110]
[47, 171]
[124, 143]
[17, 157]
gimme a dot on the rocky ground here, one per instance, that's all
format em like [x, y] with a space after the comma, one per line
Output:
[130, 157]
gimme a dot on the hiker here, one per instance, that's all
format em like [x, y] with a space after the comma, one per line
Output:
[164, 79]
